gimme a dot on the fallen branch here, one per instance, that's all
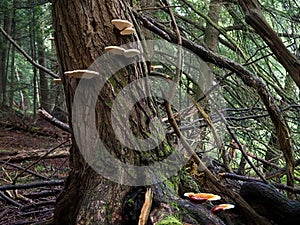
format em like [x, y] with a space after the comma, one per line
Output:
[27, 56]
[32, 185]
[35, 154]
[252, 179]
[146, 207]
[54, 121]
[255, 18]
[8, 199]
[22, 168]
[38, 160]
[42, 194]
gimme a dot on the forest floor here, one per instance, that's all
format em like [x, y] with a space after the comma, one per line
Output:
[34, 163]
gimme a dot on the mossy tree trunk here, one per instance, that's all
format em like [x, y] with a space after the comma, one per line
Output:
[83, 29]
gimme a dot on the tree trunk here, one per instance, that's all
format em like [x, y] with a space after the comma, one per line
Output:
[12, 80]
[83, 29]
[89, 198]
[43, 87]
[32, 33]
[12, 65]
[212, 34]
[5, 48]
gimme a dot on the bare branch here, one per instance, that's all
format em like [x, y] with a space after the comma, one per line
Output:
[28, 56]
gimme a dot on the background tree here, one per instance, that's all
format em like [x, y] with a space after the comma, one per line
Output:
[31, 34]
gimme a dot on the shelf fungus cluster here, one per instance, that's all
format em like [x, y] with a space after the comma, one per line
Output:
[124, 26]
[85, 74]
[204, 197]
[128, 53]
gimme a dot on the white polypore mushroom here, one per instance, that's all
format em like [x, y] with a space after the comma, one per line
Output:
[115, 50]
[128, 53]
[85, 74]
[155, 67]
[127, 31]
[121, 24]
[57, 81]
[124, 26]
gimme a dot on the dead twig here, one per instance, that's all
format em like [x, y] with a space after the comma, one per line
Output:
[42, 157]
[32, 185]
[146, 207]
[54, 121]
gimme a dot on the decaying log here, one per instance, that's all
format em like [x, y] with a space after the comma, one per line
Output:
[271, 203]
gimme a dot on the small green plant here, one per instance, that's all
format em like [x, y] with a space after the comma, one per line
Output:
[130, 202]
[170, 220]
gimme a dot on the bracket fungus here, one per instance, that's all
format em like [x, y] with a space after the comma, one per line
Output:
[201, 197]
[128, 53]
[57, 81]
[222, 207]
[85, 74]
[115, 50]
[124, 26]
[155, 67]
[127, 31]
[121, 24]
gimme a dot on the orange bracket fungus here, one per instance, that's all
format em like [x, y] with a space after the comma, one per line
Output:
[85, 74]
[222, 207]
[201, 197]
[124, 26]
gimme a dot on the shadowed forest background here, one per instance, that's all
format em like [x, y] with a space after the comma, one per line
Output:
[250, 148]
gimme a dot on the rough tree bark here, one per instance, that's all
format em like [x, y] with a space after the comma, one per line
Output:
[83, 29]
